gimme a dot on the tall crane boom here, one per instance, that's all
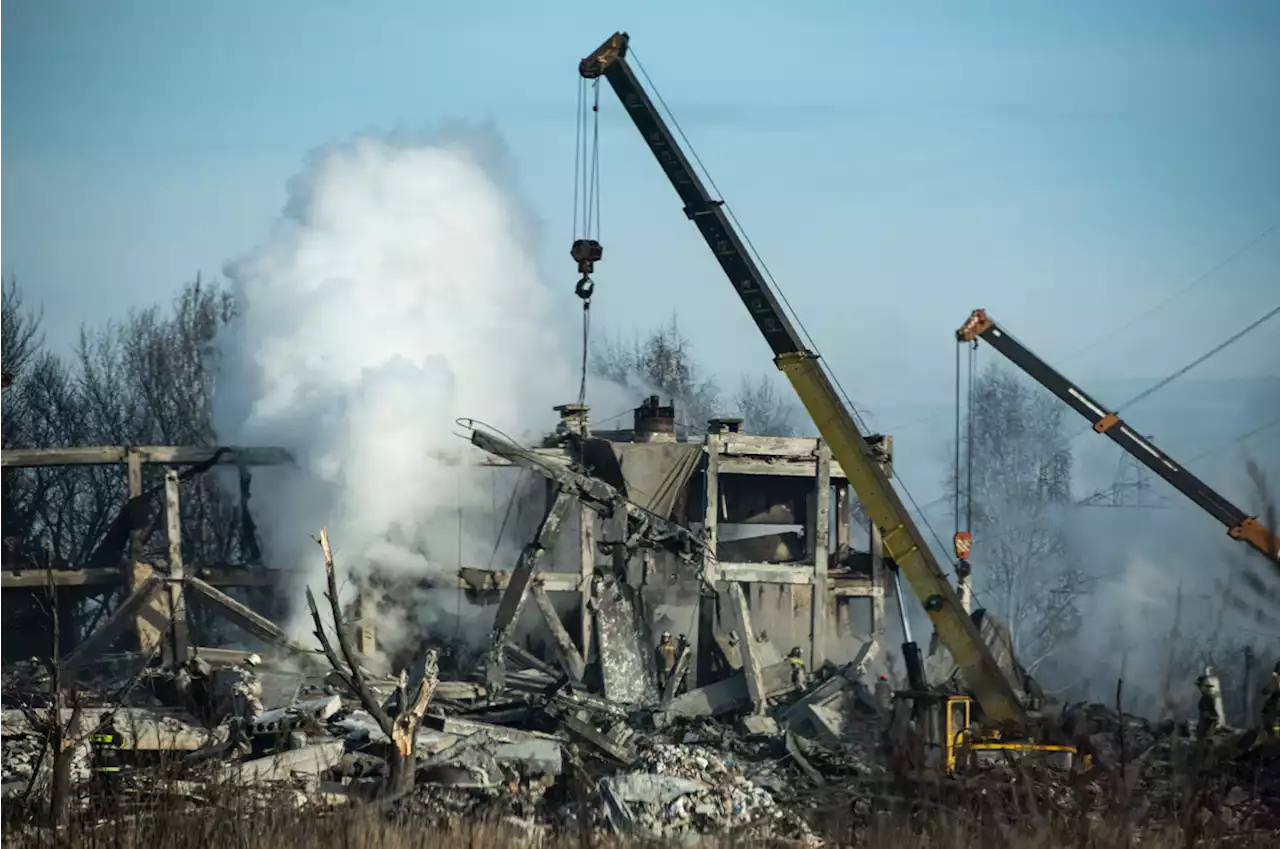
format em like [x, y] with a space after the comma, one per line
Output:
[1239, 524]
[902, 539]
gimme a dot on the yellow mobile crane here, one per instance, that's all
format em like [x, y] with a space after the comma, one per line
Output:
[903, 541]
[1239, 524]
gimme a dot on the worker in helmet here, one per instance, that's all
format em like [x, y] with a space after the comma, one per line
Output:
[665, 657]
[1271, 703]
[799, 677]
[1210, 705]
[247, 689]
[246, 700]
[105, 744]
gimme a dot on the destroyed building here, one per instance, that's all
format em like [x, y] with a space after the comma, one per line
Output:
[642, 514]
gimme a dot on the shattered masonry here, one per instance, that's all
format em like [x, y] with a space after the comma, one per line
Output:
[738, 742]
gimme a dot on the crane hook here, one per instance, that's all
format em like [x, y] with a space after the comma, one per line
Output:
[586, 252]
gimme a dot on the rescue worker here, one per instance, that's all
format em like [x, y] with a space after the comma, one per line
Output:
[247, 689]
[1210, 706]
[884, 696]
[1271, 703]
[199, 690]
[666, 655]
[105, 744]
[799, 679]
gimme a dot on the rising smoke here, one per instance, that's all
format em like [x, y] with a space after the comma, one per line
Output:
[397, 293]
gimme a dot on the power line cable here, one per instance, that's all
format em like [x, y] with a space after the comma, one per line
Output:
[1189, 366]
[1241, 438]
[1111, 334]
[1245, 248]
[1200, 359]
[1083, 501]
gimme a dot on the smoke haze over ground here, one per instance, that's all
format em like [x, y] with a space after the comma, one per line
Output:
[396, 293]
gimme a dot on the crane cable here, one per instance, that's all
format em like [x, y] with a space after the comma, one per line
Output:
[963, 539]
[586, 249]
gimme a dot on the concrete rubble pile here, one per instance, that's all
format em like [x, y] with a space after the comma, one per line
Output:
[548, 753]
[596, 732]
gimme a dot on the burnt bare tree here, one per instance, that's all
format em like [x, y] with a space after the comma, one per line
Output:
[1020, 490]
[402, 729]
[60, 738]
[765, 410]
[146, 379]
[149, 380]
[35, 413]
[663, 362]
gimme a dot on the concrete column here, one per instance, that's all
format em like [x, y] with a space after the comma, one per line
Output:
[135, 571]
[747, 646]
[711, 505]
[821, 539]
[367, 630]
[877, 550]
[587, 565]
[177, 648]
[842, 518]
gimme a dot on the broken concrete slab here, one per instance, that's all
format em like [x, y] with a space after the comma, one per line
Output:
[532, 757]
[481, 761]
[827, 724]
[752, 668]
[628, 677]
[729, 643]
[759, 725]
[362, 730]
[793, 749]
[282, 766]
[826, 691]
[731, 694]
[648, 788]
[290, 716]
[578, 725]
[459, 727]
[145, 729]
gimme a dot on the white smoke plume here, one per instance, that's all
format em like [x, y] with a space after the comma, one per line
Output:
[397, 293]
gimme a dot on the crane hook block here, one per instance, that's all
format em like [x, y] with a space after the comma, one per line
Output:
[586, 252]
[585, 289]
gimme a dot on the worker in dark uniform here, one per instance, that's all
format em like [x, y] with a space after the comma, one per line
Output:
[105, 745]
[199, 690]
[799, 678]
[1210, 705]
[884, 697]
[1271, 704]
[665, 657]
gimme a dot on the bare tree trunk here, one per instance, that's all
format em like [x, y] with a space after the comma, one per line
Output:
[62, 737]
[401, 771]
[402, 762]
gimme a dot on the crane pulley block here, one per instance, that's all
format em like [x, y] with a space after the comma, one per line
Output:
[586, 252]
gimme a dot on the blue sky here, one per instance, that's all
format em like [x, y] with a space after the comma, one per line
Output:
[1066, 166]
